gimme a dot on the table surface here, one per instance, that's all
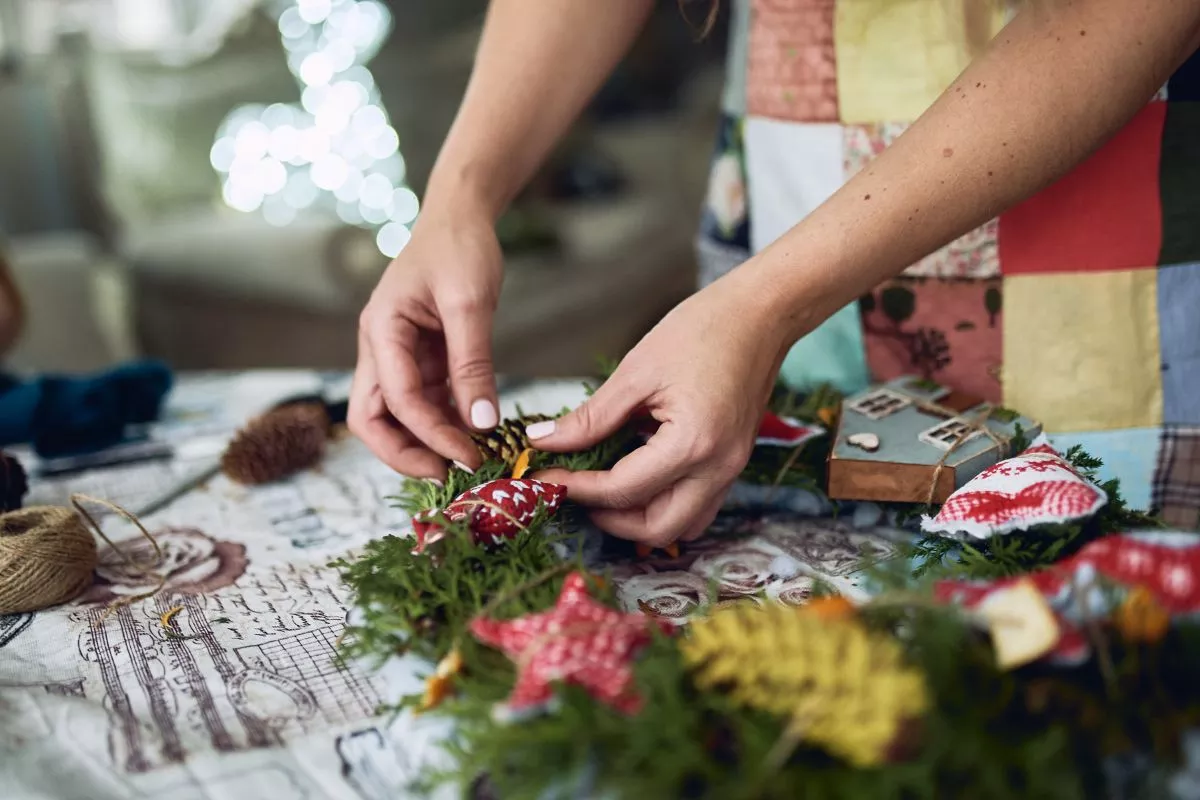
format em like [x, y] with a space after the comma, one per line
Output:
[249, 701]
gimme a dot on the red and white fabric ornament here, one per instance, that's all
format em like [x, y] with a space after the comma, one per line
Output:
[1091, 584]
[1037, 487]
[579, 642]
[777, 431]
[497, 510]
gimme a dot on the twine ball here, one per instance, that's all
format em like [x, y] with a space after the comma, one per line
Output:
[47, 556]
[14, 483]
[277, 445]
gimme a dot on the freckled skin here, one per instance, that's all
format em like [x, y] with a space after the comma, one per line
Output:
[947, 152]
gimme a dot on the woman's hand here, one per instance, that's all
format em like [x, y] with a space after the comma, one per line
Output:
[428, 321]
[704, 374]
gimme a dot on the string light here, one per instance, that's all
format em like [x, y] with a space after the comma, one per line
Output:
[335, 149]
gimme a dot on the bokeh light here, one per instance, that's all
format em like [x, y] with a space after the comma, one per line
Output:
[335, 150]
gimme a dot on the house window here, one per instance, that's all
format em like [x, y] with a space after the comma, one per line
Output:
[948, 433]
[879, 403]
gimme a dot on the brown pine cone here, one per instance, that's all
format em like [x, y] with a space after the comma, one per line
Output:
[507, 441]
[277, 445]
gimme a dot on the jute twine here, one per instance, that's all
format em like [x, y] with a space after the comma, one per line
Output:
[48, 555]
[977, 424]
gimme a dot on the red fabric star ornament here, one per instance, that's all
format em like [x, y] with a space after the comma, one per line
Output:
[779, 431]
[579, 642]
[497, 510]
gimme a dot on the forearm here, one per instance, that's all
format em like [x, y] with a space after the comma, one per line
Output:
[537, 66]
[1055, 85]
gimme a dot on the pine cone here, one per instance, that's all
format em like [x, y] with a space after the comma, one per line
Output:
[277, 445]
[508, 440]
[14, 483]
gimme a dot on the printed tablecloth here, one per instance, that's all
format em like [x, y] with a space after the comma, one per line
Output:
[243, 697]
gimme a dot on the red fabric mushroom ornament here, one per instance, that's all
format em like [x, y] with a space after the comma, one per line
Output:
[497, 510]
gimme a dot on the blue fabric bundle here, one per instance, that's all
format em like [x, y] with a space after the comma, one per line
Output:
[64, 415]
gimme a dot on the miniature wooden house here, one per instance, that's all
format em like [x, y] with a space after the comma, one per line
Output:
[891, 438]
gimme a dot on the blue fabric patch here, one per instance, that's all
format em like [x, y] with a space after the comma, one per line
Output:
[1179, 342]
[1131, 455]
[834, 353]
[1184, 85]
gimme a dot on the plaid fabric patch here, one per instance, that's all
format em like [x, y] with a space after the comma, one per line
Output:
[1176, 490]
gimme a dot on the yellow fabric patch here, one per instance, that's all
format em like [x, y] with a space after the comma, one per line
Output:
[1081, 350]
[895, 57]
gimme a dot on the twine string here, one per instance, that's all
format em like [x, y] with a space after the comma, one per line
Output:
[976, 425]
[144, 570]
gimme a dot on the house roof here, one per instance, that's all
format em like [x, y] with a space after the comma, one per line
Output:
[900, 430]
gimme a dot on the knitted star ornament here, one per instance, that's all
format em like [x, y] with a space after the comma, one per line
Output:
[496, 510]
[841, 686]
[579, 642]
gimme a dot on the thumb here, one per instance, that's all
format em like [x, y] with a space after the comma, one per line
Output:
[468, 335]
[600, 416]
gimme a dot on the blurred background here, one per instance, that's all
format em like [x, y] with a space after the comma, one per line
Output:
[219, 183]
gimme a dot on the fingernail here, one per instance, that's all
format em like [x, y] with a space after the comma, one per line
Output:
[483, 415]
[464, 467]
[436, 483]
[540, 430]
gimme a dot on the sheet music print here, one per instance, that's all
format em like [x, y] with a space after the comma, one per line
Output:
[343, 504]
[11, 626]
[370, 764]
[251, 666]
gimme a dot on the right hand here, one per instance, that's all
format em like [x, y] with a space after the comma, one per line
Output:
[425, 340]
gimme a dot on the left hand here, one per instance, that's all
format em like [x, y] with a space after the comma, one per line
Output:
[704, 373]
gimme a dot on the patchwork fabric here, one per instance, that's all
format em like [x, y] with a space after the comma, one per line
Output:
[1179, 176]
[1129, 455]
[1179, 340]
[733, 98]
[1184, 85]
[795, 168]
[1176, 492]
[1104, 215]
[791, 73]
[894, 57]
[1081, 350]
[726, 217]
[1078, 307]
[947, 331]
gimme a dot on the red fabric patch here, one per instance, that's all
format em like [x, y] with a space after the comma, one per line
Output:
[1106, 214]
[791, 70]
[785, 431]
[948, 331]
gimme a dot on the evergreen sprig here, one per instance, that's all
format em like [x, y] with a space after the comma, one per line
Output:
[1034, 732]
